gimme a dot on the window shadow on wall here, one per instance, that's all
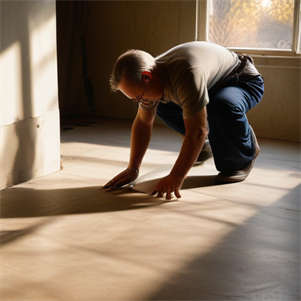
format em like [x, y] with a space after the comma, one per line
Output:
[76, 96]
[20, 21]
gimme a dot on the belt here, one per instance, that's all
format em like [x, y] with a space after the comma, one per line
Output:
[244, 58]
[233, 77]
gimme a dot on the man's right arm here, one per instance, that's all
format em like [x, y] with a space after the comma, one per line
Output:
[140, 138]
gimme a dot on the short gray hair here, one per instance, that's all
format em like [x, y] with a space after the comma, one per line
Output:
[131, 64]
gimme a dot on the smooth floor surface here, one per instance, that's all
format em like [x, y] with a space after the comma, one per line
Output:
[63, 237]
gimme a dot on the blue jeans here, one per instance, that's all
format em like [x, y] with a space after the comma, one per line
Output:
[230, 135]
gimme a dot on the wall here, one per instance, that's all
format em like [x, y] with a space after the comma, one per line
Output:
[113, 27]
[116, 26]
[278, 114]
[71, 21]
[155, 26]
[30, 140]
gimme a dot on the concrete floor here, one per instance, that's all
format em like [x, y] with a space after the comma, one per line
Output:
[64, 238]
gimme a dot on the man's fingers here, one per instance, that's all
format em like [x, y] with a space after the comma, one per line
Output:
[120, 183]
[160, 194]
[177, 194]
[168, 195]
[109, 184]
[122, 179]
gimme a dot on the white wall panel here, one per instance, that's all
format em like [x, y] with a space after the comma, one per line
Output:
[30, 130]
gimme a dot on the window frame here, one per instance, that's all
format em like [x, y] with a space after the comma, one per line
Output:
[202, 32]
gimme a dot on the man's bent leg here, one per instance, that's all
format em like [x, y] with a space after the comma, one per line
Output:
[172, 116]
[242, 174]
[230, 135]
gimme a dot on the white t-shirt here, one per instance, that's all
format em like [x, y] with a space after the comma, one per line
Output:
[191, 69]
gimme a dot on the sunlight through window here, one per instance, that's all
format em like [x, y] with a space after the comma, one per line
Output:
[263, 24]
[43, 65]
[11, 84]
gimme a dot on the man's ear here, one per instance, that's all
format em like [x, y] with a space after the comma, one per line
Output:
[146, 76]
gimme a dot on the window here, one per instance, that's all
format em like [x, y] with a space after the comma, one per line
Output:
[299, 31]
[259, 25]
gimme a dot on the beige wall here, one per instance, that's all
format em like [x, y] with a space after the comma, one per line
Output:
[116, 26]
[278, 114]
[155, 26]
[30, 143]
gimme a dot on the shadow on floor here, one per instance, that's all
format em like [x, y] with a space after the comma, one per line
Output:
[32, 203]
[259, 260]
[199, 181]
[23, 202]
[26, 202]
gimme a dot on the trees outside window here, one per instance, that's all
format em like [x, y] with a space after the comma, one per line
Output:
[260, 24]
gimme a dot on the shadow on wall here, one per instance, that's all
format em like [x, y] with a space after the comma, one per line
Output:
[76, 96]
[19, 20]
[21, 66]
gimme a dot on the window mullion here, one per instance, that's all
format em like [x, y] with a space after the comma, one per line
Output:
[202, 22]
[296, 26]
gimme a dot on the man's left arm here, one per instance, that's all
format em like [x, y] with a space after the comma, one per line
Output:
[193, 142]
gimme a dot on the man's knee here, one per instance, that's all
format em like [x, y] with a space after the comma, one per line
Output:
[223, 108]
[228, 103]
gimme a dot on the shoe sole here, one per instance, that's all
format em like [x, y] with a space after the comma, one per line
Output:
[242, 174]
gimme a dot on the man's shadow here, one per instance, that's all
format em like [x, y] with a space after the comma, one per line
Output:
[45, 204]
[196, 178]
[25, 202]
[199, 181]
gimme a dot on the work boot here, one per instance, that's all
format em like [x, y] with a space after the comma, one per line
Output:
[205, 154]
[242, 174]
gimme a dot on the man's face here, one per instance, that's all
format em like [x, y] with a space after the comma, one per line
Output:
[144, 90]
[132, 89]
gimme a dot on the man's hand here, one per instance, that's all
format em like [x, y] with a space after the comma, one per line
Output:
[193, 142]
[125, 177]
[169, 184]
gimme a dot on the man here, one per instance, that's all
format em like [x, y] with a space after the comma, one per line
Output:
[188, 86]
